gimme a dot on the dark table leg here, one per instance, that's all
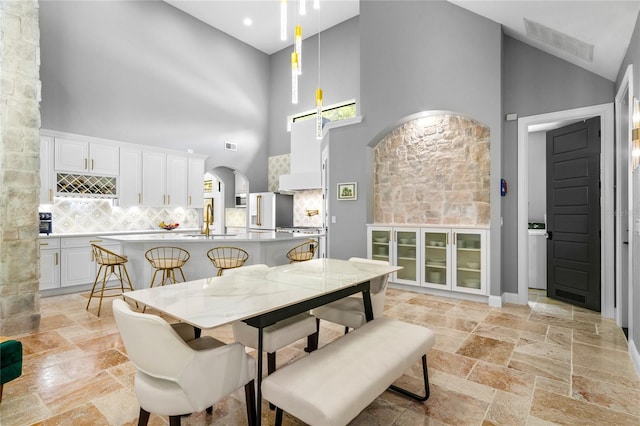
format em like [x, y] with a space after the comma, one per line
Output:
[368, 309]
[259, 379]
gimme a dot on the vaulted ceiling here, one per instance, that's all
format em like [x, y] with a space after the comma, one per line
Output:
[591, 34]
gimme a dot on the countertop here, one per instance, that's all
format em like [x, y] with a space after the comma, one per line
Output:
[196, 237]
[104, 233]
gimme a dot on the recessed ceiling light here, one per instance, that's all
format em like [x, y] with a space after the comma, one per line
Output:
[248, 22]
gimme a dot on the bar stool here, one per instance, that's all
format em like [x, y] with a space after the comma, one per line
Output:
[227, 258]
[111, 264]
[302, 252]
[167, 260]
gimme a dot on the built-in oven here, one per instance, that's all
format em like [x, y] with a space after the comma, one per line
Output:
[46, 222]
[241, 200]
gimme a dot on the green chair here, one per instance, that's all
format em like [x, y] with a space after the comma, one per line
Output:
[10, 361]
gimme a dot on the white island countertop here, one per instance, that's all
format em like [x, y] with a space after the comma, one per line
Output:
[268, 248]
[195, 237]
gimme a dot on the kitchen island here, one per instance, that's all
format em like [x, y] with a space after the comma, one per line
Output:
[269, 248]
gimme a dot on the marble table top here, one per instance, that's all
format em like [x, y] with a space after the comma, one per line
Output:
[212, 302]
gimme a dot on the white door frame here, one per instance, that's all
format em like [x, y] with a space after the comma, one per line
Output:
[626, 85]
[605, 112]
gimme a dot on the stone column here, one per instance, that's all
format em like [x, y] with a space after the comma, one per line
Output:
[19, 166]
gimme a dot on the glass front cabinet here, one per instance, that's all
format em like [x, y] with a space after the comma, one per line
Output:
[453, 259]
[398, 246]
[437, 258]
[468, 266]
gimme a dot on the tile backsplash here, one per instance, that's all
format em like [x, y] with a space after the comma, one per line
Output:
[304, 202]
[75, 215]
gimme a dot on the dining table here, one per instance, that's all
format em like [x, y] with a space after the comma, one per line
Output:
[263, 297]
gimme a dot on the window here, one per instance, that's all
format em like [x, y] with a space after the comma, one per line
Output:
[333, 112]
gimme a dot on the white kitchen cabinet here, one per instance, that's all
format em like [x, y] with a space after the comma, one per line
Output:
[49, 263]
[164, 179]
[178, 180]
[468, 268]
[154, 178]
[398, 246]
[77, 266]
[130, 182]
[240, 183]
[47, 175]
[78, 156]
[196, 183]
[436, 245]
[451, 259]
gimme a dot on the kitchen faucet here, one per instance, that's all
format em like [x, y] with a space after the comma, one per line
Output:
[209, 210]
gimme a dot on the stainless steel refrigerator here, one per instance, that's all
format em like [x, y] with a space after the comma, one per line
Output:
[270, 210]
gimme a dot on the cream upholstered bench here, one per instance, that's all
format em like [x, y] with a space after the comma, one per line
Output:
[332, 385]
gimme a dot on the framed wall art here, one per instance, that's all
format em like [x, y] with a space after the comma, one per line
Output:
[348, 191]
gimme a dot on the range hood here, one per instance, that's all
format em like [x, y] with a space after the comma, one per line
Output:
[305, 158]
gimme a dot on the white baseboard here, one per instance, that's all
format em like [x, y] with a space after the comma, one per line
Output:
[495, 301]
[635, 356]
[510, 298]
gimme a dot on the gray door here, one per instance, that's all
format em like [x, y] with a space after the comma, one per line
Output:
[573, 214]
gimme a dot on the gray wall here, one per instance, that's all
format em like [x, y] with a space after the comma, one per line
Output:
[633, 57]
[414, 56]
[535, 82]
[537, 159]
[339, 78]
[145, 72]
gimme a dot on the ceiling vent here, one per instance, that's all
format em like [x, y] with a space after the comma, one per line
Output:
[564, 42]
[230, 146]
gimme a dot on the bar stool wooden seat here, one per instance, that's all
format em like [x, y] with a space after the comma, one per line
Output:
[227, 258]
[303, 252]
[167, 260]
[110, 265]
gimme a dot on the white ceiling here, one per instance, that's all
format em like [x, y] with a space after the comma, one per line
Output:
[264, 34]
[608, 25]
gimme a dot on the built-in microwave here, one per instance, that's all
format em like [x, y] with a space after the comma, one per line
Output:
[241, 200]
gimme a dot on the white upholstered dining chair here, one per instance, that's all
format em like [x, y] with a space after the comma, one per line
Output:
[178, 374]
[349, 311]
[278, 335]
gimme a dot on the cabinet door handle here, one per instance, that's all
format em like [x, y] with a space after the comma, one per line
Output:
[189, 199]
[44, 244]
[139, 198]
[56, 259]
[164, 199]
[455, 238]
[95, 241]
[85, 163]
[51, 195]
[168, 199]
[447, 238]
[92, 164]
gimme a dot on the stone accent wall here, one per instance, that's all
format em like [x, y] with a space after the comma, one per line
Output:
[433, 170]
[19, 166]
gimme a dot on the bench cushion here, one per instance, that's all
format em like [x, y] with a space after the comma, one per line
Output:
[332, 385]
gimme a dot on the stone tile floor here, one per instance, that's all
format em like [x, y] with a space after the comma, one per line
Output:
[542, 364]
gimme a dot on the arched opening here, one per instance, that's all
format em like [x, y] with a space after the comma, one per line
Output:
[433, 168]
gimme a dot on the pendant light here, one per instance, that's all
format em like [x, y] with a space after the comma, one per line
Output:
[298, 49]
[283, 19]
[303, 7]
[318, 91]
[318, 113]
[294, 77]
